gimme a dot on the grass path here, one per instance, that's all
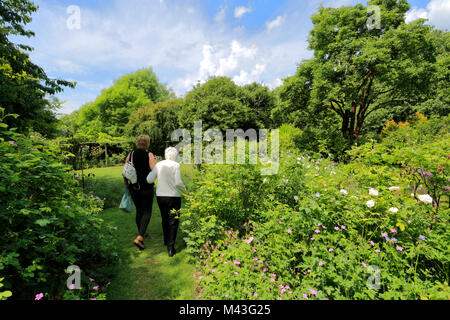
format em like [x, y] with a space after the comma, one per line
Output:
[149, 274]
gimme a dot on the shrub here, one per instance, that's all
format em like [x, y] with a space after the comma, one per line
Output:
[46, 222]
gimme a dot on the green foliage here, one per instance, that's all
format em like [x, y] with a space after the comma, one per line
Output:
[23, 84]
[47, 223]
[158, 121]
[313, 231]
[4, 294]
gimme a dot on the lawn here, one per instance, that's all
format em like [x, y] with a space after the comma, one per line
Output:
[149, 274]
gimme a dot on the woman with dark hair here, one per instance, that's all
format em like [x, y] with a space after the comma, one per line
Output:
[141, 192]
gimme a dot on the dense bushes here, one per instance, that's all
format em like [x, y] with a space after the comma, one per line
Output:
[318, 230]
[46, 223]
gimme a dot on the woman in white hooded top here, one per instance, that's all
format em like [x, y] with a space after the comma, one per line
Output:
[168, 194]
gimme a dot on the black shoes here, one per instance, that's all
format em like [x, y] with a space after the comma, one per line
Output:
[172, 250]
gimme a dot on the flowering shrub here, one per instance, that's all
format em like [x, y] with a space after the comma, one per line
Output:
[46, 223]
[324, 231]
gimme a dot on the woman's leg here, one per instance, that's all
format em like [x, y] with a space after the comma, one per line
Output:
[146, 211]
[174, 221]
[164, 209]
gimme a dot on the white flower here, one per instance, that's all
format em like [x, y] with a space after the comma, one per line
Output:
[426, 198]
[373, 192]
[285, 181]
[317, 168]
[265, 180]
[343, 191]
[394, 188]
[332, 172]
[394, 210]
[370, 203]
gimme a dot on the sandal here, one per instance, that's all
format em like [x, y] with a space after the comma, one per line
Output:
[139, 244]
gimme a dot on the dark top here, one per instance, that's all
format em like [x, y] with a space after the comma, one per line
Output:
[142, 166]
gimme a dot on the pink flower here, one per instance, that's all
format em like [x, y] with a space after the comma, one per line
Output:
[399, 248]
[265, 269]
[372, 243]
[280, 222]
[288, 230]
[282, 290]
[255, 258]
[336, 228]
[320, 263]
[305, 296]
[91, 280]
[384, 235]
[324, 227]
[254, 250]
[313, 292]
[319, 224]
[377, 251]
[213, 270]
[96, 287]
[364, 265]
[343, 227]
[249, 240]
[39, 296]
[236, 262]
[272, 280]
[72, 287]
[13, 143]
[317, 231]
[393, 231]
[330, 250]
[236, 272]
[312, 239]
[94, 299]
[255, 295]
[260, 261]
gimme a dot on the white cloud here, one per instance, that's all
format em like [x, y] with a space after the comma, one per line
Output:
[278, 21]
[239, 12]
[220, 16]
[437, 12]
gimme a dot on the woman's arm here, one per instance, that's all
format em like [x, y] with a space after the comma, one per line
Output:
[152, 161]
[152, 176]
[178, 181]
[125, 180]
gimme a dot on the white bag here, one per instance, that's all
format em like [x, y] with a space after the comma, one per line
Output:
[129, 171]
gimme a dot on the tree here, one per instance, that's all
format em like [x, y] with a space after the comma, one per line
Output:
[110, 112]
[158, 121]
[261, 101]
[357, 70]
[24, 85]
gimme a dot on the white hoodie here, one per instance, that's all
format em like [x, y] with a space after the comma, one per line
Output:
[168, 174]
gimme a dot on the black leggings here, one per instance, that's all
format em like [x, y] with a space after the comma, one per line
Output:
[143, 200]
[170, 221]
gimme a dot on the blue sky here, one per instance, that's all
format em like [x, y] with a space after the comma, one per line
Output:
[184, 41]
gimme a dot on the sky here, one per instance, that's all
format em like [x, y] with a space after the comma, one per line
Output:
[184, 41]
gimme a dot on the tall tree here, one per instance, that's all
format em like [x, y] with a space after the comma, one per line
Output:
[358, 69]
[23, 84]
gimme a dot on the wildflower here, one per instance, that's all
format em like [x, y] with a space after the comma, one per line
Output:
[13, 143]
[422, 238]
[384, 235]
[320, 263]
[213, 270]
[296, 198]
[387, 238]
[425, 198]
[370, 203]
[330, 250]
[265, 180]
[312, 239]
[39, 296]
[72, 287]
[373, 192]
[318, 195]
[272, 280]
[236, 262]
[336, 228]
[446, 188]
[288, 230]
[249, 240]
[94, 299]
[399, 248]
[324, 227]
[285, 181]
[260, 261]
[255, 258]
[364, 265]
[91, 280]
[282, 290]
[255, 295]
[393, 231]
[96, 287]
[254, 250]
[265, 270]
[279, 222]
[394, 210]
[236, 272]
[394, 189]
[305, 296]
[317, 231]
[372, 243]
[332, 172]
[394, 240]
[377, 250]
[342, 227]
[313, 292]
[343, 191]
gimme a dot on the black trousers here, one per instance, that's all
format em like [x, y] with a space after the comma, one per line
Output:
[170, 221]
[143, 200]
